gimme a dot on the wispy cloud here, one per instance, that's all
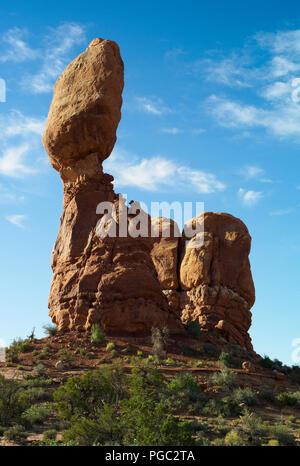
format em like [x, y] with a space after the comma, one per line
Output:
[17, 220]
[274, 80]
[52, 55]
[157, 173]
[153, 106]
[8, 196]
[20, 137]
[251, 171]
[249, 198]
[12, 162]
[171, 130]
[56, 56]
[14, 47]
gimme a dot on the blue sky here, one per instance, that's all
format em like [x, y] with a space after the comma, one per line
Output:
[211, 113]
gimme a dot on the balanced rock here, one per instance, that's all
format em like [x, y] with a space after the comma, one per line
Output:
[125, 282]
[97, 279]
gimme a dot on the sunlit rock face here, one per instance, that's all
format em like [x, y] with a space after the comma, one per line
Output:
[130, 284]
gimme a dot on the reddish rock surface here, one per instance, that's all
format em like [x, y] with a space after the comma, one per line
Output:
[130, 284]
[110, 281]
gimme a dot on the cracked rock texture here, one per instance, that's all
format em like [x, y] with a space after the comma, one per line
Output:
[130, 284]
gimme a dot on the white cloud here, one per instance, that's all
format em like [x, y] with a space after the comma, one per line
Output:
[282, 120]
[157, 173]
[17, 124]
[54, 56]
[20, 137]
[249, 198]
[17, 220]
[252, 171]
[15, 48]
[12, 162]
[171, 130]
[154, 106]
[275, 81]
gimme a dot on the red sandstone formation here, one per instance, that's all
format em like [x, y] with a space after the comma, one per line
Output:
[130, 284]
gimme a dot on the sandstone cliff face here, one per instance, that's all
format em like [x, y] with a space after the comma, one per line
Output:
[126, 284]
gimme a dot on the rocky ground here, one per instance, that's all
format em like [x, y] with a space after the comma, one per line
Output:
[55, 359]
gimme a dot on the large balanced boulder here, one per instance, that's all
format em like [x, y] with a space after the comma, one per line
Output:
[97, 279]
[130, 281]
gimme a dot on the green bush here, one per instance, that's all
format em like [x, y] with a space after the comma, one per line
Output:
[225, 359]
[49, 435]
[12, 403]
[17, 347]
[50, 330]
[110, 346]
[85, 395]
[97, 335]
[286, 399]
[253, 428]
[282, 435]
[244, 395]
[186, 384]
[37, 414]
[16, 432]
[226, 379]
[103, 429]
[234, 439]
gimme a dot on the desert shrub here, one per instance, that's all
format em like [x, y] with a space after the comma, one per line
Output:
[210, 350]
[32, 381]
[286, 399]
[244, 395]
[159, 338]
[267, 362]
[225, 407]
[272, 443]
[37, 414]
[97, 335]
[282, 435]
[225, 359]
[66, 356]
[40, 369]
[17, 347]
[186, 384]
[226, 379]
[49, 435]
[16, 432]
[33, 394]
[291, 421]
[234, 439]
[193, 328]
[50, 330]
[85, 395]
[104, 428]
[12, 404]
[110, 346]
[252, 428]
